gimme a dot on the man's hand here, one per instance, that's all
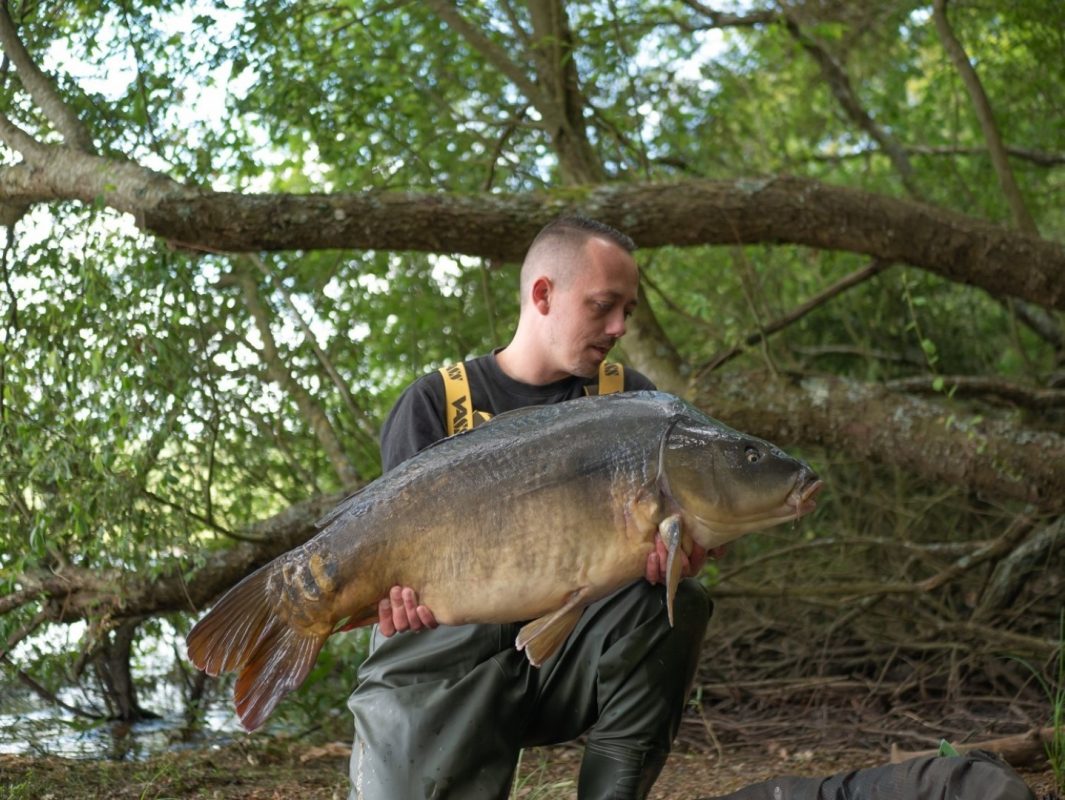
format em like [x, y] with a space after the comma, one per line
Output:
[400, 612]
[690, 563]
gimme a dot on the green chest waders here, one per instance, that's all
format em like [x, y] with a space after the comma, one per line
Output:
[445, 713]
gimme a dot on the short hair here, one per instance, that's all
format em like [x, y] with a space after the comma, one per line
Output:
[580, 229]
[560, 242]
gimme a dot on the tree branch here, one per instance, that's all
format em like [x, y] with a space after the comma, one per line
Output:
[46, 694]
[647, 347]
[797, 313]
[563, 112]
[499, 226]
[842, 89]
[1008, 541]
[722, 19]
[75, 593]
[993, 459]
[358, 415]
[986, 116]
[1039, 157]
[279, 373]
[1031, 397]
[40, 87]
[493, 53]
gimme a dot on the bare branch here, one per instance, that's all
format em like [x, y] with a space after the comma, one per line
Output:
[188, 512]
[797, 313]
[1039, 157]
[489, 49]
[1013, 535]
[46, 694]
[279, 373]
[990, 458]
[359, 416]
[982, 106]
[41, 88]
[840, 86]
[722, 19]
[1031, 397]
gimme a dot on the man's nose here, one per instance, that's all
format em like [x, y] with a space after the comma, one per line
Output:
[616, 324]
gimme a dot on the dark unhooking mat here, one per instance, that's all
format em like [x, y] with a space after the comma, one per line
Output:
[977, 775]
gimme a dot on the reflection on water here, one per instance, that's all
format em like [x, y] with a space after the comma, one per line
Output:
[54, 732]
[29, 726]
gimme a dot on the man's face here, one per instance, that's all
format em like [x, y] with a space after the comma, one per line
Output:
[589, 311]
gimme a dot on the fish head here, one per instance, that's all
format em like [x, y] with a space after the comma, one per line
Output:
[728, 483]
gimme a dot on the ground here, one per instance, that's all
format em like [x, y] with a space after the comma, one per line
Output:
[265, 769]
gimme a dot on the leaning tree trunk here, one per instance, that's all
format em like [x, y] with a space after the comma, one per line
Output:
[111, 663]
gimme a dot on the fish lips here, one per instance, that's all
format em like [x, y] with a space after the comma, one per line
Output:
[802, 499]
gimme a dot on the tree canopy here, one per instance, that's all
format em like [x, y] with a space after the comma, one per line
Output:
[235, 230]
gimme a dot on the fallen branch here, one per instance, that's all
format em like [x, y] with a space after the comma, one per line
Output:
[1019, 750]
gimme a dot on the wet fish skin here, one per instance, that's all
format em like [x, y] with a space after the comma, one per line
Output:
[532, 516]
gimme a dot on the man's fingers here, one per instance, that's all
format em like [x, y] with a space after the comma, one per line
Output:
[653, 572]
[427, 618]
[399, 610]
[384, 618]
[410, 609]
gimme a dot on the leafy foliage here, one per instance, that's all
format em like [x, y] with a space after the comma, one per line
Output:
[141, 425]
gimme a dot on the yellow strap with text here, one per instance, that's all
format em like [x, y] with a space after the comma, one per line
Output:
[458, 411]
[611, 378]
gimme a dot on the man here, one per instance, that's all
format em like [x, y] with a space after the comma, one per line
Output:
[444, 713]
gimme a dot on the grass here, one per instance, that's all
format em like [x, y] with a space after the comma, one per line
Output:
[1054, 689]
[535, 782]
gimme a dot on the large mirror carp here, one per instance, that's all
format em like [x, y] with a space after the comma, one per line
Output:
[530, 517]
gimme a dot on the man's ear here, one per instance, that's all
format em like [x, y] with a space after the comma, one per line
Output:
[541, 294]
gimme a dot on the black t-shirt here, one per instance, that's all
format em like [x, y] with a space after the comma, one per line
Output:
[417, 419]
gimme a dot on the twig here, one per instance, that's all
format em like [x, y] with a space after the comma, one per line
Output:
[865, 273]
[986, 117]
[46, 694]
[358, 415]
[1020, 750]
[1013, 535]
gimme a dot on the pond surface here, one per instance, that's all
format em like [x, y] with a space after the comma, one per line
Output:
[29, 727]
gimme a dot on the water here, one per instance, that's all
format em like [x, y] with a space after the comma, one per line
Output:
[31, 726]
[59, 733]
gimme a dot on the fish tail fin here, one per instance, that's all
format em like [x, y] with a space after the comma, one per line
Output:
[244, 633]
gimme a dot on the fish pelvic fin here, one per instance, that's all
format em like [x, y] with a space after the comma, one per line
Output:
[243, 633]
[670, 531]
[541, 638]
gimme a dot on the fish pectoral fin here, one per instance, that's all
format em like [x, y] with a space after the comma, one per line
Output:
[670, 531]
[367, 615]
[541, 638]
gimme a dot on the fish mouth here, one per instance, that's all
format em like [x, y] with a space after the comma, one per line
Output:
[802, 499]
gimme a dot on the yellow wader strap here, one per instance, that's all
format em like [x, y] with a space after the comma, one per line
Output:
[458, 413]
[611, 378]
[458, 406]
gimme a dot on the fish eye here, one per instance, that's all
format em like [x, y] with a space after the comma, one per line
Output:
[752, 454]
